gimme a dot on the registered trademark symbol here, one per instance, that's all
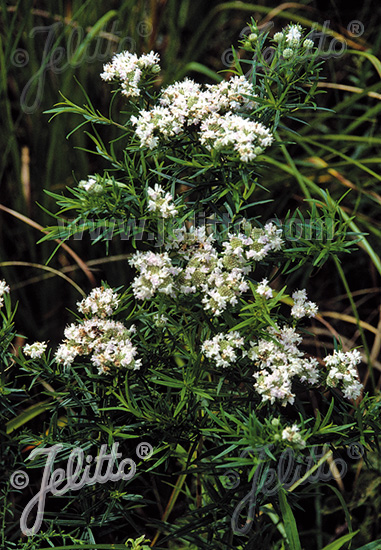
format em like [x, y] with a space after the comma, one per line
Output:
[144, 450]
[355, 28]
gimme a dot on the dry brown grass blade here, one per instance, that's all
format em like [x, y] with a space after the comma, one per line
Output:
[46, 268]
[328, 325]
[25, 175]
[347, 88]
[349, 319]
[71, 252]
[71, 267]
[282, 7]
[317, 161]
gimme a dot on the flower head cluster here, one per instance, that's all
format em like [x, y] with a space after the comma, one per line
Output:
[161, 202]
[293, 436]
[189, 104]
[156, 274]
[106, 342]
[222, 288]
[231, 131]
[212, 112]
[4, 288]
[218, 276]
[160, 320]
[101, 302]
[130, 70]
[293, 34]
[35, 350]
[92, 185]
[343, 372]
[290, 40]
[256, 244]
[302, 307]
[223, 348]
[280, 361]
[263, 289]
[206, 272]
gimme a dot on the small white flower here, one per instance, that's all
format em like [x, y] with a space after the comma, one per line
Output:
[106, 342]
[343, 372]
[91, 186]
[302, 307]
[160, 320]
[222, 349]
[279, 361]
[161, 202]
[101, 302]
[293, 35]
[233, 132]
[293, 436]
[4, 288]
[130, 70]
[35, 350]
[65, 355]
[264, 290]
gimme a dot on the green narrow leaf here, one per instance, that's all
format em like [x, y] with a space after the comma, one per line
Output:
[289, 522]
[28, 414]
[376, 545]
[336, 544]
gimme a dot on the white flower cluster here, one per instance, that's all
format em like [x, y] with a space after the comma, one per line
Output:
[156, 274]
[161, 202]
[290, 39]
[211, 111]
[302, 307]
[223, 348]
[293, 35]
[343, 373]
[256, 244]
[218, 276]
[189, 104]
[280, 361]
[264, 289]
[130, 70]
[160, 320]
[91, 186]
[106, 342]
[35, 350]
[293, 436]
[4, 288]
[230, 131]
[101, 302]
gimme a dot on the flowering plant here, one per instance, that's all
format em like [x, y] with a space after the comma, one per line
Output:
[202, 353]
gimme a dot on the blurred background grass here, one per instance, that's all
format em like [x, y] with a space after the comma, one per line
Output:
[46, 46]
